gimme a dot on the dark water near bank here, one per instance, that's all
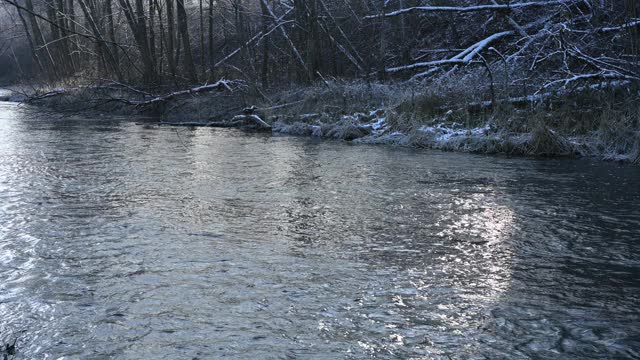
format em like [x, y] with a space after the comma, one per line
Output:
[120, 241]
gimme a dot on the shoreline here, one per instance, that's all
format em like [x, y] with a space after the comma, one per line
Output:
[454, 137]
[380, 126]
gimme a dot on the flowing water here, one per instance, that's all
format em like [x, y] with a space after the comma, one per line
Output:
[125, 241]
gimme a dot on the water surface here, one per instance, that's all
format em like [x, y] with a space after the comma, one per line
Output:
[138, 242]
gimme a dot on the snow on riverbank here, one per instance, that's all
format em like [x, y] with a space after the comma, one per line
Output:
[373, 128]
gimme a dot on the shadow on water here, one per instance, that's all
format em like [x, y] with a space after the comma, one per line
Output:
[575, 287]
[118, 240]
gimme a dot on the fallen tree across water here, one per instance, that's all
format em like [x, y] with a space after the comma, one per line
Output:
[247, 121]
[113, 91]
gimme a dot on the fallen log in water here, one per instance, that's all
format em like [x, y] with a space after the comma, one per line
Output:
[91, 93]
[185, 123]
[254, 118]
[252, 121]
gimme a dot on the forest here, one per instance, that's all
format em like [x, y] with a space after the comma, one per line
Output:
[482, 64]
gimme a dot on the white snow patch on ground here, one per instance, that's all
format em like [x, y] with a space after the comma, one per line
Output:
[379, 123]
[453, 136]
[441, 133]
[378, 126]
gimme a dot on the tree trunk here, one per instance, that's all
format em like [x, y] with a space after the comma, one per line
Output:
[264, 76]
[183, 28]
[34, 51]
[73, 43]
[313, 42]
[64, 37]
[300, 33]
[212, 75]
[40, 42]
[54, 30]
[201, 33]
[112, 32]
[162, 39]
[152, 34]
[137, 24]
[104, 53]
[171, 38]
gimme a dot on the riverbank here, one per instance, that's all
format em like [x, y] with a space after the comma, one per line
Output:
[599, 121]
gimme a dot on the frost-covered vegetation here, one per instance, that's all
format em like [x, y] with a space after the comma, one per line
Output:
[549, 77]
[607, 126]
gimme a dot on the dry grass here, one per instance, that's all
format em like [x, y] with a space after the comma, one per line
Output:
[335, 98]
[344, 129]
[546, 142]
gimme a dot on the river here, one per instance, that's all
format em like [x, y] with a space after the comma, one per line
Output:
[128, 241]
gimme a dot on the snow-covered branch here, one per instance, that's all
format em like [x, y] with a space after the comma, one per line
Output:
[463, 58]
[480, 45]
[621, 27]
[463, 9]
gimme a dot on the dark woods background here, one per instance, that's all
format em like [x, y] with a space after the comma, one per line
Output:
[522, 44]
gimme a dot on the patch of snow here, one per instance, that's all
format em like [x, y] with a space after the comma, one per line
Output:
[441, 133]
[379, 124]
